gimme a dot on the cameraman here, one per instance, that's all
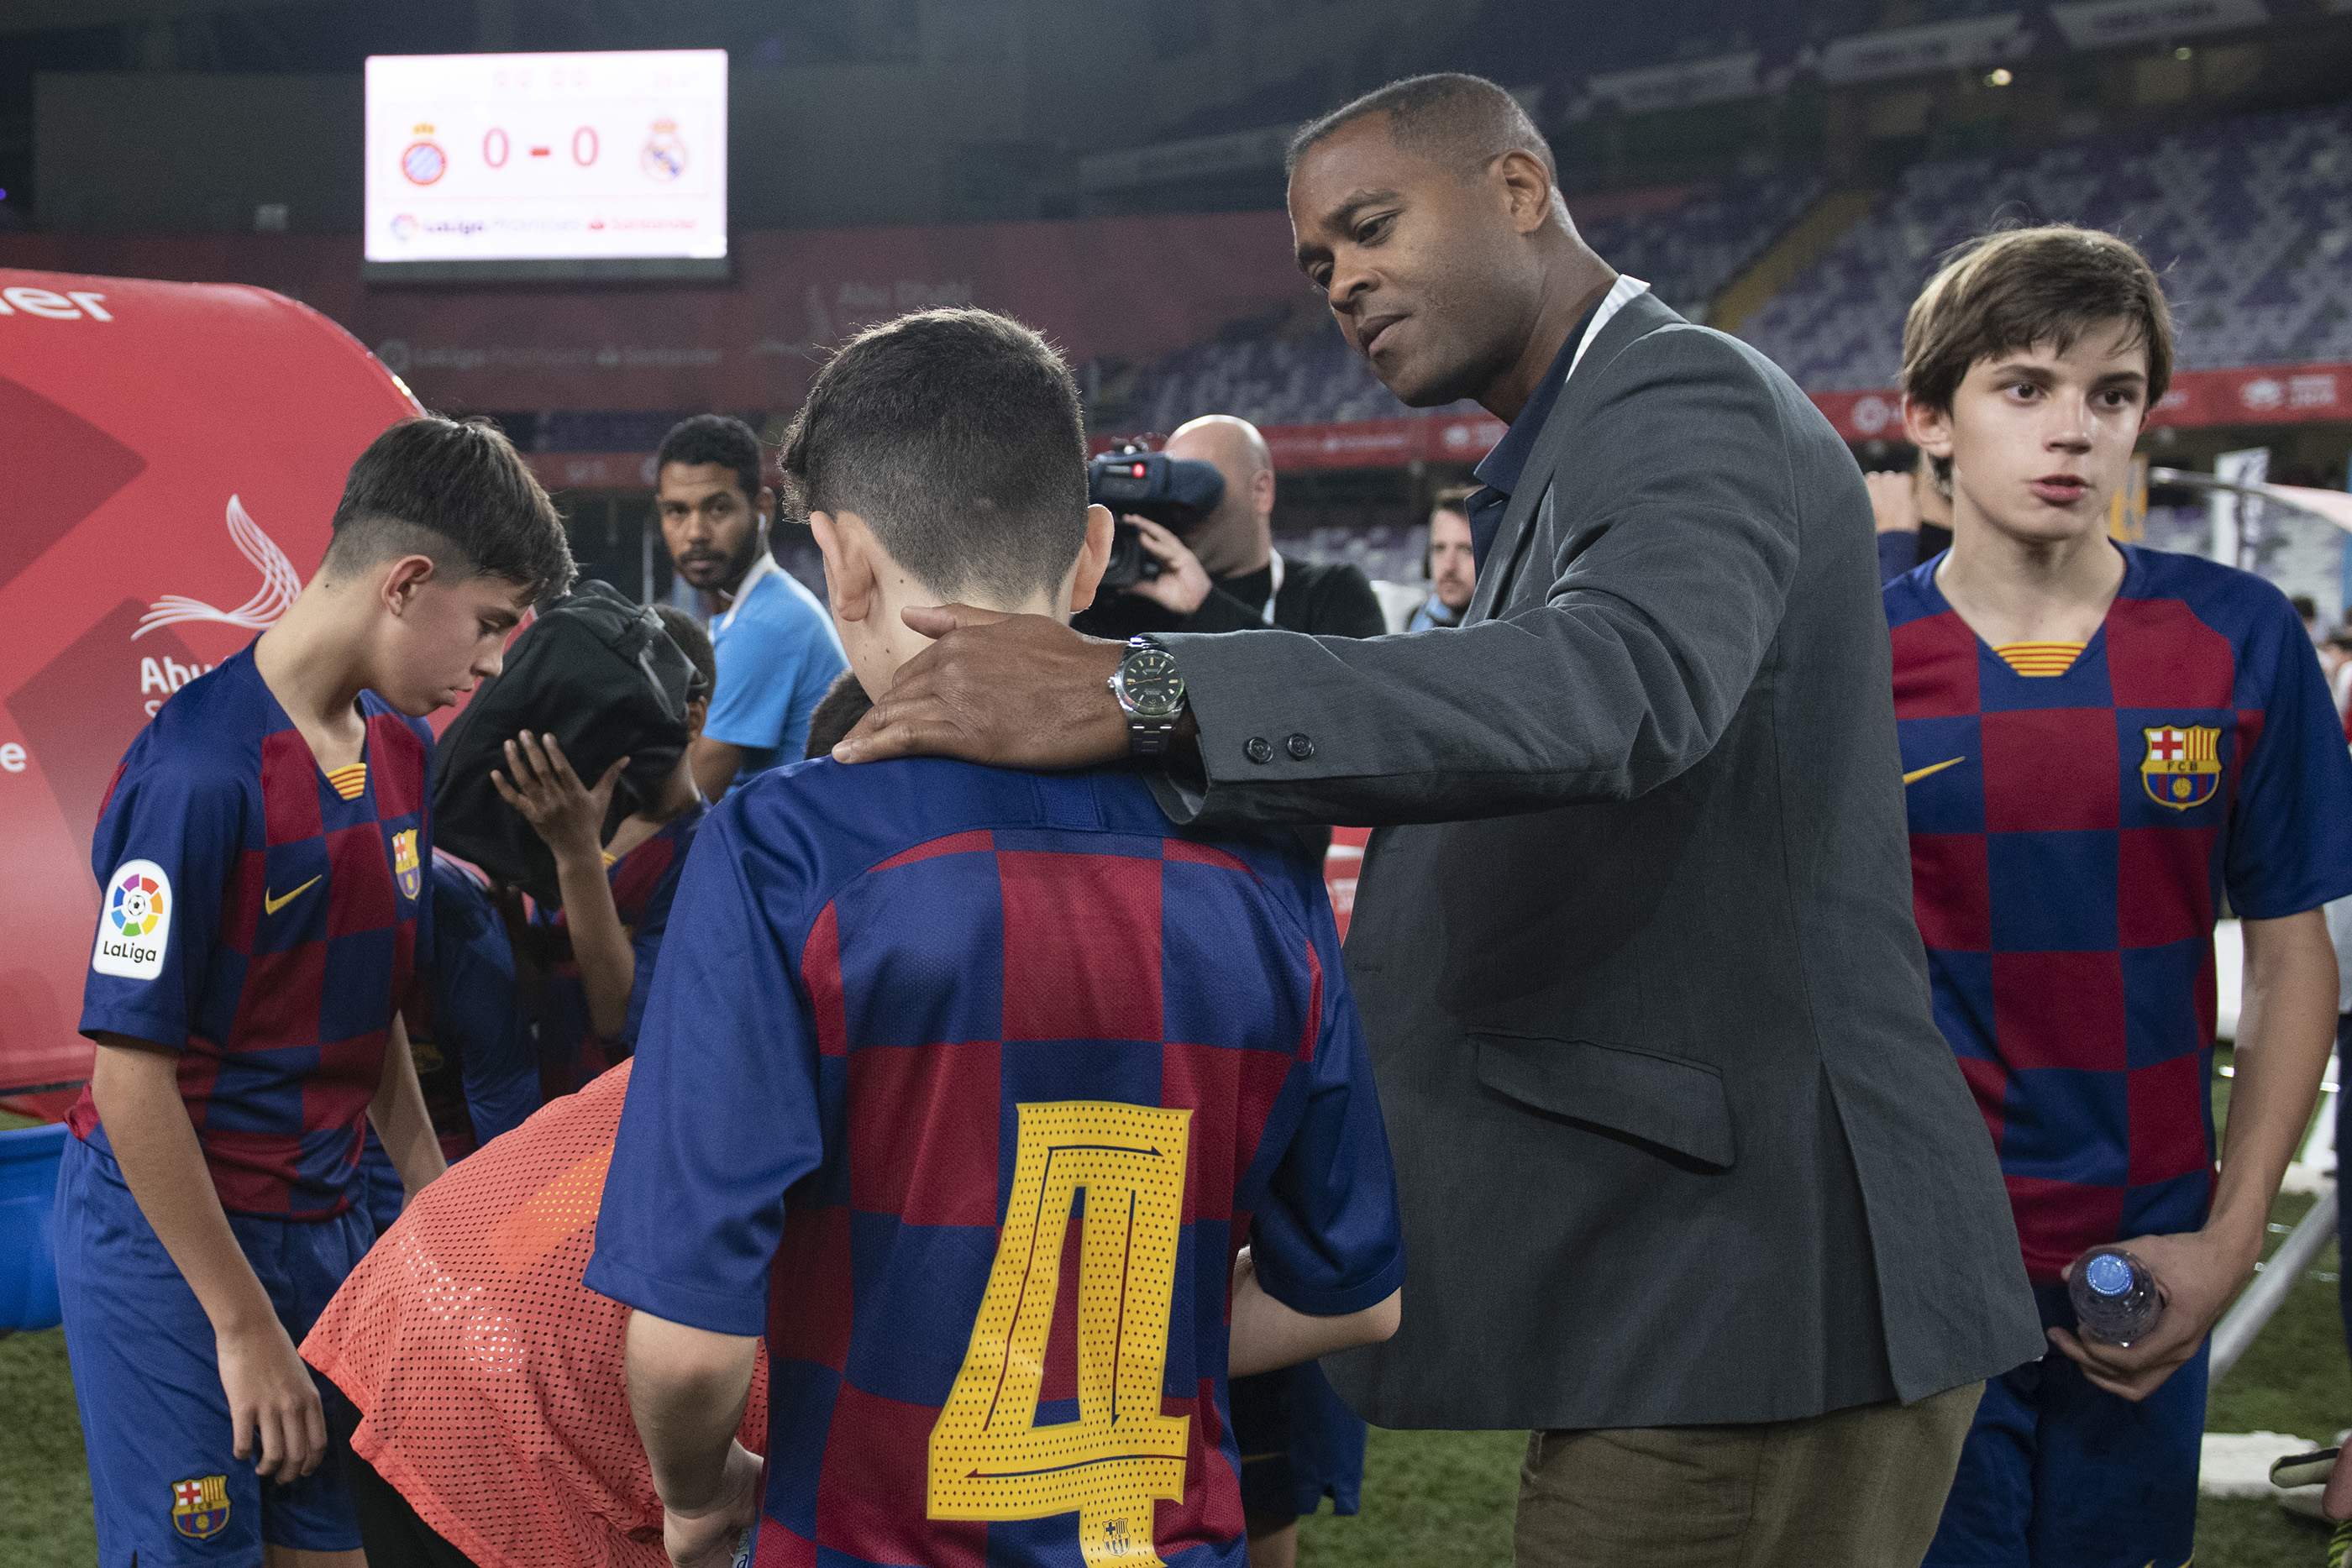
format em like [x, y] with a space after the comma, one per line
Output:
[1222, 574]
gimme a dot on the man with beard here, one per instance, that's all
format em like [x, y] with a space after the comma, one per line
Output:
[777, 651]
[1693, 1187]
[1452, 564]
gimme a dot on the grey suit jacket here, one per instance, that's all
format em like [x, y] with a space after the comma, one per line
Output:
[1676, 1137]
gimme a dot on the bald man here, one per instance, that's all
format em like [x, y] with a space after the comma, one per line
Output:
[1224, 574]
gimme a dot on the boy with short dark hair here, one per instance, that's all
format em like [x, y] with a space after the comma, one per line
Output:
[2098, 742]
[263, 847]
[1052, 1086]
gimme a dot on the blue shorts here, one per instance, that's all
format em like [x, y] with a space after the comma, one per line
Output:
[1299, 1443]
[2059, 1473]
[166, 1487]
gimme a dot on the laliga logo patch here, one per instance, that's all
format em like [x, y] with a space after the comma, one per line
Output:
[200, 1506]
[404, 869]
[136, 923]
[2183, 766]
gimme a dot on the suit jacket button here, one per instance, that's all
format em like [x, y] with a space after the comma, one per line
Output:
[1299, 748]
[1257, 748]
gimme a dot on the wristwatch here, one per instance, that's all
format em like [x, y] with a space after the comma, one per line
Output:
[1151, 693]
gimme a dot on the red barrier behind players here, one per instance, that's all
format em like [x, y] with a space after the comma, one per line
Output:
[173, 453]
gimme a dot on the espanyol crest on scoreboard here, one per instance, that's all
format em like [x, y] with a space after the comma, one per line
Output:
[2183, 765]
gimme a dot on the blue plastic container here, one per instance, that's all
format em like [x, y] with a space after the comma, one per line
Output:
[29, 1250]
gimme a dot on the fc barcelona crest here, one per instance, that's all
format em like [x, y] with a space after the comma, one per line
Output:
[2183, 766]
[404, 869]
[200, 1506]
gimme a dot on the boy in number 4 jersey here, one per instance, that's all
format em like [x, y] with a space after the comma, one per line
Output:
[2099, 741]
[264, 849]
[1014, 1117]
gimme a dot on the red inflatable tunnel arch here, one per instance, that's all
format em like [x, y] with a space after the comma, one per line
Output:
[173, 453]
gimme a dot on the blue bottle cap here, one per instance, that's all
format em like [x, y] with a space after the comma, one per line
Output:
[2108, 1274]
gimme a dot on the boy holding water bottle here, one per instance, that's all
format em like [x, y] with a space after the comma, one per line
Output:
[2099, 742]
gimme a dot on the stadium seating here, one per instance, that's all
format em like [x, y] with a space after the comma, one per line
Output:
[1300, 372]
[2248, 219]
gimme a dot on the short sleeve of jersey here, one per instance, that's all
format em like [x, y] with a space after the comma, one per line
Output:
[2291, 830]
[645, 945]
[168, 845]
[776, 659]
[1327, 1238]
[722, 1114]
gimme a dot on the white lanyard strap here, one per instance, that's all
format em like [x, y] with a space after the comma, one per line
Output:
[1620, 295]
[760, 568]
[1276, 591]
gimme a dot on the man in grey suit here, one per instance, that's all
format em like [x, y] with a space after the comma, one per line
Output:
[1691, 1186]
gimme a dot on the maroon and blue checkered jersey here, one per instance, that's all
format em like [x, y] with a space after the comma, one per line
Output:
[645, 885]
[266, 926]
[964, 1087]
[2072, 836]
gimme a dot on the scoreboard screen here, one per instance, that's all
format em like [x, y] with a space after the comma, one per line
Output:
[550, 165]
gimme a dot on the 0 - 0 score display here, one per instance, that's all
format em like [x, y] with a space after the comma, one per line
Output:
[485, 164]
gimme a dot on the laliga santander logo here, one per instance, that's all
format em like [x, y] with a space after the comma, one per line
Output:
[404, 226]
[138, 924]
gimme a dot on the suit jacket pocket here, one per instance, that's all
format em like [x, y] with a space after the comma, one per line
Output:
[1670, 1102]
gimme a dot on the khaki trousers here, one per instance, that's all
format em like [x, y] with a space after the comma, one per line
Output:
[1853, 1488]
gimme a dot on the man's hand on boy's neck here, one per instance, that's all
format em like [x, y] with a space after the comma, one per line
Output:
[1010, 691]
[887, 618]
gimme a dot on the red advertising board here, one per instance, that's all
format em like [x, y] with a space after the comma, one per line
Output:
[175, 452]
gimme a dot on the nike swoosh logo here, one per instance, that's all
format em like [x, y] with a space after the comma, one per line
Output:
[1908, 778]
[272, 905]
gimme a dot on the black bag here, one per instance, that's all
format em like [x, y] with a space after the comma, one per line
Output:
[596, 671]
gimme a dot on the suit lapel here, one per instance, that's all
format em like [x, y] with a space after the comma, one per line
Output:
[1643, 313]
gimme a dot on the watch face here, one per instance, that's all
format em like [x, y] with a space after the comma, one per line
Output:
[1147, 678]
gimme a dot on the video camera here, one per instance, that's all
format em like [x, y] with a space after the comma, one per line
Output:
[1174, 492]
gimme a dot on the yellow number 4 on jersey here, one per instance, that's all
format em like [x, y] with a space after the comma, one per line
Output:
[989, 1459]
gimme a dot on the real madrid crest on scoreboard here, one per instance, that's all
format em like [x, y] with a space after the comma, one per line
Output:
[2183, 766]
[665, 155]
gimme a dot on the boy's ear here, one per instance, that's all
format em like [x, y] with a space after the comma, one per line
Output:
[399, 584]
[763, 505]
[848, 566]
[1093, 558]
[1930, 429]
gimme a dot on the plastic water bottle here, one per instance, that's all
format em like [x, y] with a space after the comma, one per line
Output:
[2115, 1296]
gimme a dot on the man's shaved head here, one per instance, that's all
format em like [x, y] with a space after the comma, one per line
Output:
[1464, 122]
[1226, 441]
[1235, 536]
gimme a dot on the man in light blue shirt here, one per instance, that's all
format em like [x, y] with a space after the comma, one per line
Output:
[777, 650]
